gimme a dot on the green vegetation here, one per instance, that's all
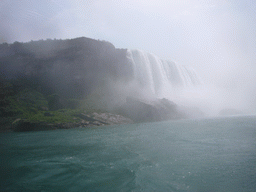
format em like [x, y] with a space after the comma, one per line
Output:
[26, 102]
[53, 81]
[60, 116]
[32, 106]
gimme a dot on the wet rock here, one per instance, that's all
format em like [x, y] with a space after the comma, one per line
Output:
[158, 110]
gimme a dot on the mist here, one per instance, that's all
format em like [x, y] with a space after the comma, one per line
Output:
[215, 38]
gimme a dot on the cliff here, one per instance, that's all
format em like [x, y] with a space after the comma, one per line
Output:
[71, 68]
[57, 83]
[49, 75]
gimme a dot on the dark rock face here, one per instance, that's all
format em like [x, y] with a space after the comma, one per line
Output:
[20, 125]
[71, 68]
[140, 111]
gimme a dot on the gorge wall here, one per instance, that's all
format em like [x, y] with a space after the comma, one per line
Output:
[87, 74]
[71, 68]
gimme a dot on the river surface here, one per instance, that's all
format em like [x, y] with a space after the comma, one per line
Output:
[186, 155]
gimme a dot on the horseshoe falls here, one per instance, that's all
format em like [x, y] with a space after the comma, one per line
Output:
[156, 78]
[160, 77]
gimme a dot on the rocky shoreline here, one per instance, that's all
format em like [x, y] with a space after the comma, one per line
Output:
[133, 111]
[82, 120]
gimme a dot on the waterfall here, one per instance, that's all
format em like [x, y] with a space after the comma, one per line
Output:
[160, 76]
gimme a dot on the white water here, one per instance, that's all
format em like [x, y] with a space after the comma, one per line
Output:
[160, 77]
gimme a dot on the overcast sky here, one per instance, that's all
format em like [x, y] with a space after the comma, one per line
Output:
[215, 37]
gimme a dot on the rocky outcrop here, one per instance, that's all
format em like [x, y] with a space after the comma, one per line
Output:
[158, 110]
[85, 120]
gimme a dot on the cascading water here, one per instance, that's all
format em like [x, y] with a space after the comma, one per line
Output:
[160, 76]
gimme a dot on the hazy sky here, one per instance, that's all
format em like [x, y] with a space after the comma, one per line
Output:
[215, 37]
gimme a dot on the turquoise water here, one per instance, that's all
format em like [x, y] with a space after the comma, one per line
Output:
[190, 155]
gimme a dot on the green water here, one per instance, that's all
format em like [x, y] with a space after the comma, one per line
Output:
[192, 155]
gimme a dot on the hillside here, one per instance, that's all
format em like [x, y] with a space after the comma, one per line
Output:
[51, 84]
[39, 78]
